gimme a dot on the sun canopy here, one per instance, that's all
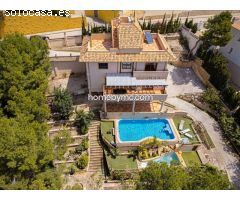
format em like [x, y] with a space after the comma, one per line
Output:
[126, 79]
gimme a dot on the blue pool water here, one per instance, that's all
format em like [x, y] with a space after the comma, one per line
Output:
[167, 158]
[136, 130]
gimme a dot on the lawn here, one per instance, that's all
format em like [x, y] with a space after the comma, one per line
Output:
[187, 125]
[107, 126]
[122, 162]
[191, 158]
[37, 24]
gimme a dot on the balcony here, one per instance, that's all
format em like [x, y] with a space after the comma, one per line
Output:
[150, 74]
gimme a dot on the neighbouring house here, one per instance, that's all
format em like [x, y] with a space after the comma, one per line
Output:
[105, 15]
[232, 52]
[192, 39]
[129, 62]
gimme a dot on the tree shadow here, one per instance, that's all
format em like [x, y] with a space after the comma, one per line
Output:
[183, 76]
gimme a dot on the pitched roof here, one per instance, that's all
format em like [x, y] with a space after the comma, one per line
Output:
[125, 36]
[129, 36]
[144, 56]
[236, 25]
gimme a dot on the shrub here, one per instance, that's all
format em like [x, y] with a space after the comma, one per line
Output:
[82, 161]
[194, 28]
[122, 175]
[77, 186]
[237, 115]
[231, 97]
[61, 141]
[62, 103]
[83, 120]
[82, 147]
[72, 169]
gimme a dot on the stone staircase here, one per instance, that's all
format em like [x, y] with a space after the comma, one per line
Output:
[95, 148]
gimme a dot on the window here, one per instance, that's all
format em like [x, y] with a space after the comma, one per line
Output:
[150, 66]
[102, 65]
[126, 65]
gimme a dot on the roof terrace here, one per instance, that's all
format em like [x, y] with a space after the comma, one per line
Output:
[103, 42]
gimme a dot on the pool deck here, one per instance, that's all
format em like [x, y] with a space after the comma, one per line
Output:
[120, 143]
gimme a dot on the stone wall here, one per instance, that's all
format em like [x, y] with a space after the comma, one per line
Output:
[67, 67]
[191, 38]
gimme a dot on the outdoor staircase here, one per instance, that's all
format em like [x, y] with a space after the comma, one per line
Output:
[96, 151]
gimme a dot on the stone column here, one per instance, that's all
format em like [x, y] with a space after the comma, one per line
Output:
[105, 106]
[161, 107]
[133, 107]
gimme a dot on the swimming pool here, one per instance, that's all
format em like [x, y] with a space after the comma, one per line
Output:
[168, 158]
[139, 129]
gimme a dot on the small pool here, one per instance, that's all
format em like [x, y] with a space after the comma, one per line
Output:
[139, 129]
[168, 158]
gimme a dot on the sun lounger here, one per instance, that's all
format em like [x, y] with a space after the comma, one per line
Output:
[188, 135]
[185, 131]
[181, 125]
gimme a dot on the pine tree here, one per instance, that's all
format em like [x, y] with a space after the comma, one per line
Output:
[170, 25]
[163, 24]
[144, 25]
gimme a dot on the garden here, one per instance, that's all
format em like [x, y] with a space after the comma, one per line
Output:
[69, 136]
[191, 158]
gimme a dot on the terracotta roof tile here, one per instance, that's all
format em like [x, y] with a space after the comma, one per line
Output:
[236, 25]
[129, 36]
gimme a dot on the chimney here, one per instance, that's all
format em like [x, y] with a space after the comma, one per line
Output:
[90, 36]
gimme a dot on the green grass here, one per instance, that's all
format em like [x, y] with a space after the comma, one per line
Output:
[107, 126]
[191, 158]
[122, 162]
[187, 124]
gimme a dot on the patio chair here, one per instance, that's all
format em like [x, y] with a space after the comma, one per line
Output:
[185, 131]
[181, 125]
[188, 135]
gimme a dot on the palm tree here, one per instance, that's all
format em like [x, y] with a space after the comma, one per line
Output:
[83, 120]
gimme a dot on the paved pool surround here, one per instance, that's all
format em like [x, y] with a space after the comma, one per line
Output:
[120, 143]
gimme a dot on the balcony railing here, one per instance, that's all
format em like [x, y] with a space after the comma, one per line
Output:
[150, 74]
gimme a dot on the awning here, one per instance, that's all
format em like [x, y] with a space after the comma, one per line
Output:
[126, 79]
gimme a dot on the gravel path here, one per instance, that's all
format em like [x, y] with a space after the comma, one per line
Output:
[223, 152]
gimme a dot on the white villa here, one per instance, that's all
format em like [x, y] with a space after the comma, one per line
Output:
[127, 61]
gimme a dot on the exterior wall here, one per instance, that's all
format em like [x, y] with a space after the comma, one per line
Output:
[191, 38]
[68, 42]
[235, 72]
[140, 66]
[96, 77]
[141, 115]
[65, 67]
[161, 66]
[105, 15]
[232, 52]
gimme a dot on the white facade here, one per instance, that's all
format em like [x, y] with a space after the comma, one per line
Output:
[232, 52]
[96, 77]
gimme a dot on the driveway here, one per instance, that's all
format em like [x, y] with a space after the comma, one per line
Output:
[225, 156]
[182, 80]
